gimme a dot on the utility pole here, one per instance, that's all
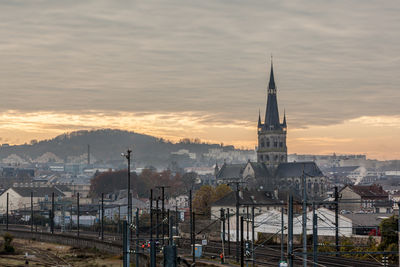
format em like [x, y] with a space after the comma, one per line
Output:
[282, 234]
[152, 247]
[137, 237]
[237, 222]
[315, 237]
[176, 219]
[337, 221]
[247, 223]
[125, 241]
[77, 212]
[241, 243]
[398, 229]
[52, 214]
[128, 157]
[102, 216]
[252, 235]
[229, 232]
[157, 220]
[222, 215]
[304, 219]
[31, 211]
[194, 240]
[7, 213]
[290, 231]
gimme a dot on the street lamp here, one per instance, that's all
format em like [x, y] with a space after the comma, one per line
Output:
[127, 155]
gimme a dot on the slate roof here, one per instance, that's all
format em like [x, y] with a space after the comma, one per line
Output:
[366, 219]
[231, 171]
[295, 169]
[260, 169]
[247, 197]
[368, 190]
[63, 188]
[38, 191]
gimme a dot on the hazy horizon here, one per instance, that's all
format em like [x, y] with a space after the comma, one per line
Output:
[177, 69]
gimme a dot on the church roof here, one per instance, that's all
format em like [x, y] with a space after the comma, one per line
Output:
[248, 197]
[231, 171]
[260, 169]
[295, 169]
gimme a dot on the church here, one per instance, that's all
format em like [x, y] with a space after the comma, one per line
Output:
[272, 172]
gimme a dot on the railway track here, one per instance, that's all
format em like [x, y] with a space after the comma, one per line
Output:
[264, 255]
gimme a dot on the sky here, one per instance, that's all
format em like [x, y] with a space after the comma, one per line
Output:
[200, 69]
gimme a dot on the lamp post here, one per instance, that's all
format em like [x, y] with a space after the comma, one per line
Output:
[127, 155]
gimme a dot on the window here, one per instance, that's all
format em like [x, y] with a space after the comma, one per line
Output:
[267, 157]
[282, 158]
[276, 158]
[262, 143]
[280, 144]
[267, 142]
[275, 144]
[261, 157]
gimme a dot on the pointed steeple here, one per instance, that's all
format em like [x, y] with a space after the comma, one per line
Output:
[272, 114]
[284, 119]
[259, 118]
[271, 84]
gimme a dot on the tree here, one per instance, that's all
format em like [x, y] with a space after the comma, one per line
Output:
[108, 182]
[207, 195]
[203, 199]
[388, 229]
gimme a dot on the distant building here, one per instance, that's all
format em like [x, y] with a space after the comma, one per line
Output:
[368, 198]
[272, 171]
[20, 197]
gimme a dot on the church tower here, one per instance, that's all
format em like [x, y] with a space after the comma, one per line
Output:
[271, 148]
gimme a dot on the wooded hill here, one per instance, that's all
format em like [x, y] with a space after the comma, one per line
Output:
[106, 146]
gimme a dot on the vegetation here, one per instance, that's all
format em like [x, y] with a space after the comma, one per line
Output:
[107, 144]
[7, 247]
[206, 195]
[108, 182]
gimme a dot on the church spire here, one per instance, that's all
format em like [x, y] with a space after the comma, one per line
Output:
[271, 77]
[272, 114]
[259, 118]
[284, 119]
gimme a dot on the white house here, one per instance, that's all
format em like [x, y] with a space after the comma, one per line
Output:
[20, 197]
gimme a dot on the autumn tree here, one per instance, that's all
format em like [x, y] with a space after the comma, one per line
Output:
[207, 195]
[108, 182]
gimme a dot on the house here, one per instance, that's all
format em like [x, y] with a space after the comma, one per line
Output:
[20, 197]
[366, 198]
[261, 200]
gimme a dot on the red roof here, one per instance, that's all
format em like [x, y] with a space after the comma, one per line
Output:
[369, 190]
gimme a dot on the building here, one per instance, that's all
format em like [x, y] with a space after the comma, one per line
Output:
[364, 198]
[262, 201]
[271, 148]
[272, 171]
[20, 197]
